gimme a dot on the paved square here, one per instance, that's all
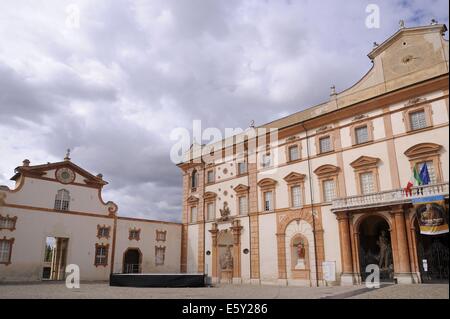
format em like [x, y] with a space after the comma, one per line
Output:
[103, 290]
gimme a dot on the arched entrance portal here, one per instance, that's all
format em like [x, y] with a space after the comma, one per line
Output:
[375, 247]
[432, 255]
[132, 259]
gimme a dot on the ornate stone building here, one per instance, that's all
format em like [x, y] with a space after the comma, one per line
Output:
[314, 201]
[55, 216]
[326, 198]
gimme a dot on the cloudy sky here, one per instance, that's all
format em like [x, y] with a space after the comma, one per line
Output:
[112, 84]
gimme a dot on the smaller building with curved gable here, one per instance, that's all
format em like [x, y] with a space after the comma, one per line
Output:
[55, 216]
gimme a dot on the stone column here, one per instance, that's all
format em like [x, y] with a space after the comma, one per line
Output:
[281, 245]
[236, 229]
[184, 248]
[214, 230]
[201, 221]
[253, 223]
[354, 240]
[403, 268]
[185, 221]
[347, 276]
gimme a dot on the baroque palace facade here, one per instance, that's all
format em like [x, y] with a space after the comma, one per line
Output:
[327, 197]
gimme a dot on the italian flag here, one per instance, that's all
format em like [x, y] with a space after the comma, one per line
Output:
[415, 180]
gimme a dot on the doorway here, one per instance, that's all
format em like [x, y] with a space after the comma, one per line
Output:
[225, 256]
[432, 252]
[375, 247]
[132, 261]
[55, 258]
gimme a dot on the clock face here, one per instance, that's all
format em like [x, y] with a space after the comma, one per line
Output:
[405, 57]
[65, 175]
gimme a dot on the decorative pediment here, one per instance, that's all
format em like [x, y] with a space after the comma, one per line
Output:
[241, 188]
[192, 199]
[292, 138]
[423, 149]
[41, 170]
[415, 100]
[365, 161]
[294, 177]
[322, 128]
[267, 182]
[209, 195]
[360, 117]
[326, 169]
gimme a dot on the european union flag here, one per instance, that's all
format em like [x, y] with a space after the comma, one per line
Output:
[424, 176]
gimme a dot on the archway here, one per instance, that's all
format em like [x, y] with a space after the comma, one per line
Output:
[132, 259]
[375, 247]
[432, 255]
[299, 252]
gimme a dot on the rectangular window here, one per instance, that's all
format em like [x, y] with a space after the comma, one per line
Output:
[103, 232]
[268, 206]
[160, 253]
[210, 177]
[361, 135]
[7, 222]
[5, 251]
[325, 144]
[293, 153]
[431, 170]
[243, 205]
[193, 215]
[367, 184]
[101, 255]
[62, 200]
[329, 191]
[296, 196]
[134, 234]
[161, 235]
[266, 160]
[210, 211]
[242, 168]
[417, 120]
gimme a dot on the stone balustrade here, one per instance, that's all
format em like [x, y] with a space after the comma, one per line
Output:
[392, 197]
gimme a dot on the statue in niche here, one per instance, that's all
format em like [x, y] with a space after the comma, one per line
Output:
[226, 260]
[301, 250]
[301, 253]
[383, 243]
[225, 212]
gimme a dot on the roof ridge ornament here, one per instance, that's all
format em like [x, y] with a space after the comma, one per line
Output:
[401, 24]
[67, 157]
[333, 93]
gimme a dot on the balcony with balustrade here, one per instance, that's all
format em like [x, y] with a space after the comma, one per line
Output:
[387, 198]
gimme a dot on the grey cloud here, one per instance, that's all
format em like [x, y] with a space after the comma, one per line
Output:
[113, 89]
[18, 98]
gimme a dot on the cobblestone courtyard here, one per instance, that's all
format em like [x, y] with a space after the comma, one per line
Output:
[103, 290]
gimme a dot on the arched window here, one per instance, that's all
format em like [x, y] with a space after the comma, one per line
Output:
[194, 179]
[62, 200]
